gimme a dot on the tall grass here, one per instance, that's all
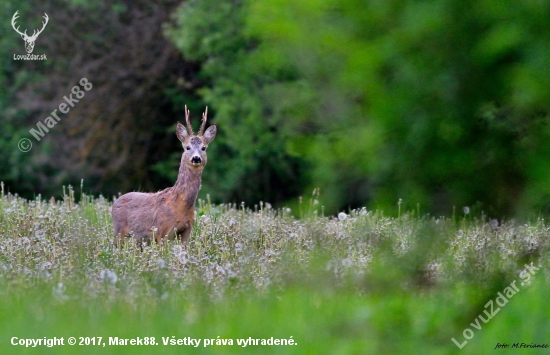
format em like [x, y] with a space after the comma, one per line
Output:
[359, 283]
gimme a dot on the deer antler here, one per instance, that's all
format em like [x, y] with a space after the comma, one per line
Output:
[43, 25]
[13, 19]
[201, 132]
[189, 127]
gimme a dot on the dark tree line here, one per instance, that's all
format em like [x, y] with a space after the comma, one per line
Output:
[440, 104]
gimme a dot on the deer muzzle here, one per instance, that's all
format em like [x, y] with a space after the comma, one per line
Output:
[196, 160]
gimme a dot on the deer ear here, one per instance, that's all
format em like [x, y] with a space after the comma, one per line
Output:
[210, 133]
[181, 132]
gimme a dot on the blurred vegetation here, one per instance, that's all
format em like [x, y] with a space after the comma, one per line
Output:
[362, 283]
[117, 132]
[440, 103]
[243, 87]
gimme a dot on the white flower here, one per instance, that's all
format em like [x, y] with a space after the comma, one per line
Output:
[162, 263]
[176, 249]
[59, 292]
[347, 262]
[342, 216]
[466, 210]
[269, 252]
[108, 276]
[214, 211]
[182, 258]
[332, 265]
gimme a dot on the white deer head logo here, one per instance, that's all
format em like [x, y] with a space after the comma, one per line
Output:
[29, 40]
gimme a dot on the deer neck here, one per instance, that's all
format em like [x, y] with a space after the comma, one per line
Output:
[188, 184]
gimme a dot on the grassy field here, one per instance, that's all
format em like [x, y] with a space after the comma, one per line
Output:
[359, 283]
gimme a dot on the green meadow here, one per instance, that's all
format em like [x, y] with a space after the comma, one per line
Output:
[356, 283]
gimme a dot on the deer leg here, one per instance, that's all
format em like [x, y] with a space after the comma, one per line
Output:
[159, 236]
[185, 234]
[121, 236]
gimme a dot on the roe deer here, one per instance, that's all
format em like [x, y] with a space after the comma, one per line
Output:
[168, 213]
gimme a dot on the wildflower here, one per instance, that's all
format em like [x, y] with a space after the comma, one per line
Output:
[40, 234]
[342, 216]
[347, 262]
[46, 266]
[59, 291]
[182, 258]
[269, 252]
[332, 265]
[177, 249]
[466, 210]
[161, 263]
[108, 276]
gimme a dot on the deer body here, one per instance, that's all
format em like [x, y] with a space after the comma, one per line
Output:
[168, 213]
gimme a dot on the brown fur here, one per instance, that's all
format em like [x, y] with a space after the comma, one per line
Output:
[170, 211]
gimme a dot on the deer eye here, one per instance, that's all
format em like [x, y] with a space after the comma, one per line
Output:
[188, 148]
[203, 148]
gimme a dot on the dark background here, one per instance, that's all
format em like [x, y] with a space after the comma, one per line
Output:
[439, 103]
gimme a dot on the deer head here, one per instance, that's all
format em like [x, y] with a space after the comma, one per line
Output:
[195, 146]
[29, 40]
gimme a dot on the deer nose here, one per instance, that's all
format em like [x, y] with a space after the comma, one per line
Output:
[196, 159]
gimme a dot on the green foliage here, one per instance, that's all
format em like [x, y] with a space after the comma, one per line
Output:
[114, 135]
[250, 94]
[15, 164]
[440, 103]
[402, 88]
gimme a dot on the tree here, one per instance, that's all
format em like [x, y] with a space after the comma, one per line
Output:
[250, 96]
[124, 125]
[441, 103]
